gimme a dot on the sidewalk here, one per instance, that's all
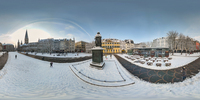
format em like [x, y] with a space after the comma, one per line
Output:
[3, 60]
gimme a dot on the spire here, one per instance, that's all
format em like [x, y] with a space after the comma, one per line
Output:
[26, 37]
[18, 44]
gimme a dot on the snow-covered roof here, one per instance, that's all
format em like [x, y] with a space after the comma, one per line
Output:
[112, 39]
[24, 45]
[52, 39]
[7, 44]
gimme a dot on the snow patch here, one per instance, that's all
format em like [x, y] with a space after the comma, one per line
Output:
[68, 55]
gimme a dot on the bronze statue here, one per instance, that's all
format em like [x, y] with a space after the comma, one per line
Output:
[98, 39]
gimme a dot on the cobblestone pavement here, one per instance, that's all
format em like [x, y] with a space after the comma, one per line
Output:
[160, 76]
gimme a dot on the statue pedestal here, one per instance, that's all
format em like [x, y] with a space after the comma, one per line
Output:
[97, 58]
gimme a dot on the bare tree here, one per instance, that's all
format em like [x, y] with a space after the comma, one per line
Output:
[46, 45]
[187, 43]
[181, 41]
[172, 35]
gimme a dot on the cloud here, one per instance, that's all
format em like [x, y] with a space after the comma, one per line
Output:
[197, 38]
[70, 36]
[61, 31]
[69, 27]
[5, 38]
[33, 34]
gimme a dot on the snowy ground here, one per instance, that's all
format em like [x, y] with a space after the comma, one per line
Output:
[112, 75]
[186, 54]
[178, 60]
[1, 53]
[68, 55]
[29, 78]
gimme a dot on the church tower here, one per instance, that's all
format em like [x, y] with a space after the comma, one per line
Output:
[26, 37]
[18, 44]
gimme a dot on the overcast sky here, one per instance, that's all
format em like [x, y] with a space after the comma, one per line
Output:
[139, 20]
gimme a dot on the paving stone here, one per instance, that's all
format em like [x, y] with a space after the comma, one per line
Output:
[157, 76]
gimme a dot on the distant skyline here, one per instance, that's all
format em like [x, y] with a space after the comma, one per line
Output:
[139, 20]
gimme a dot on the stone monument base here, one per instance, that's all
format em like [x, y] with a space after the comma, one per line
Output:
[97, 65]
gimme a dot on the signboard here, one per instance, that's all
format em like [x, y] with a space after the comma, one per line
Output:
[197, 45]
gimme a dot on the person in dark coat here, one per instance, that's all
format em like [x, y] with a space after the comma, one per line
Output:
[184, 73]
[15, 56]
[51, 64]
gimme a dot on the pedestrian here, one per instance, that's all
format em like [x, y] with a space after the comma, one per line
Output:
[110, 56]
[184, 73]
[51, 64]
[106, 56]
[15, 56]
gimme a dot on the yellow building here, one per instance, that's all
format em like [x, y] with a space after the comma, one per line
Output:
[80, 46]
[111, 46]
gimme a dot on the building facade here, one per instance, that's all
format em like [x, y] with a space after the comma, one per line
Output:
[111, 46]
[197, 46]
[185, 45]
[80, 46]
[89, 46]
[0, 46]
[47, 45]
[160, 42]
[126, 45]
[67, 45]
[8, 47]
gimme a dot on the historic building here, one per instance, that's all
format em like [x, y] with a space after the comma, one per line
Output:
[8, 47]
[0, 46]
[161, 42]
[184, 45]
[67, 45]
[126, 45]
[197, 46]
[111, 46]
[26, 40]
[80, 46]
[47, 45]
[89, 46]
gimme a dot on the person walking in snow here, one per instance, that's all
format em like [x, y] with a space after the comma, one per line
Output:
[51, 64]
[184, 73]
[15, 56]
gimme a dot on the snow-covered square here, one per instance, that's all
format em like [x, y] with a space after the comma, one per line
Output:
[29, 78]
